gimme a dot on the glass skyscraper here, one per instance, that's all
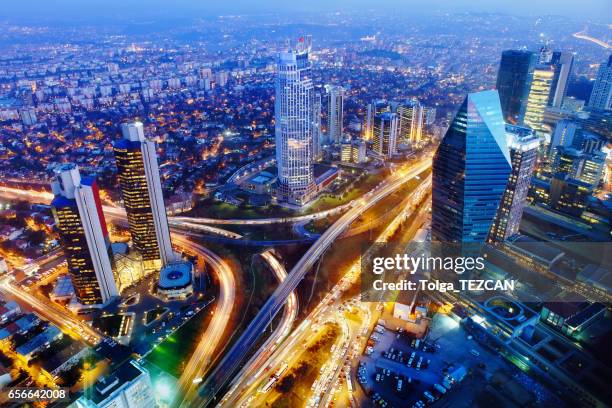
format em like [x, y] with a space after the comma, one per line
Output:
[141, 190]
[77, 210]
[601, 96]
[293, 115]
[539, 93]
[374, 108]
[514, 82]
[386, 126]
[411, 115]
[470, 171]
[335, 115]
[523, 145]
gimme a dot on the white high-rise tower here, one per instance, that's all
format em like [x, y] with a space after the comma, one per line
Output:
[293, 108]
[335, 112]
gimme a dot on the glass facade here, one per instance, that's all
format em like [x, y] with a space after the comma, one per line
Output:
[523, 145]
[470, 171]
[386, 127]
[135, 194]
[538, 97]
[513, 83]
[335, 115]
[74, 244]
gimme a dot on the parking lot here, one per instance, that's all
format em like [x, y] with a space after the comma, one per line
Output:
[400, 369]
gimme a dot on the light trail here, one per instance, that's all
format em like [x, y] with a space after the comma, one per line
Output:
[223, 371]
[583, 36]
[248, 373]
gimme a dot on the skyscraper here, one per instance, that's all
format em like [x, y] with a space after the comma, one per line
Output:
[374, 108]
[317, 136]
[566, 131]
[335, 112]
[523, 145]
[601, 96]
[513, 83]
[293, 125]
[561, 63]
[537, 100]
[142, 195]
[470, 171]
[82, 228]
[386, 126]
[411, 116]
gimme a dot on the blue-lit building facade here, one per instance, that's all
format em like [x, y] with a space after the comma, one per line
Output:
[470, 171]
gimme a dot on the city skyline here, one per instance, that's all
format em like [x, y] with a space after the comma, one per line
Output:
[282, 204]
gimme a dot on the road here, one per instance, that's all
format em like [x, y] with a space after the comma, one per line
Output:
[583, 36]
[52, 312]
[45, 196]
[212, 338]
[328, 309]
[231, 361]
[247, 375]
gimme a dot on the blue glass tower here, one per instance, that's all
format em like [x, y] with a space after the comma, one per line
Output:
[514, 82]
[470, 171]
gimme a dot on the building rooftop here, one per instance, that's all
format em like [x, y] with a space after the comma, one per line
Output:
[541, 250]
[48, 335]
[175, 275]
[63, 287]
[24, 323]
[119, 378]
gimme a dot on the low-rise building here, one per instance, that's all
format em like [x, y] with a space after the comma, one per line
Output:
[176, 280]
[127, 387]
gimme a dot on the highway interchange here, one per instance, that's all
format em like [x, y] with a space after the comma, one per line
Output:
[211, 342]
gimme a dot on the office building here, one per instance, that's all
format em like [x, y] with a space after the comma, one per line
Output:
[77, 210]
[513, 83]
[561, 63]
[358, 151]
[601, 96]
[141, 190]
[538, 97]
[385, 131]
[579, 165]
[567, 160]
[317, 134]
[568, 195]
[129, 386]
[411, 116]
[374, 108]
[592, 168]
[346, 151]
[293, 107]
[471, 168]
[564, 135]
[523, 145]
[335, 113]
